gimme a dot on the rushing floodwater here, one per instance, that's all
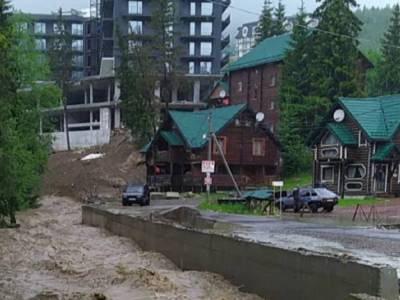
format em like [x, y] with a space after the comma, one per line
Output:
[53, 257]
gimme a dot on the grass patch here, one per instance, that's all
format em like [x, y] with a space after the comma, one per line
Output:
[350, 202]
[299, 180]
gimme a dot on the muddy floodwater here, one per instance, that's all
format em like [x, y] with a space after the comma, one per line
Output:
[53, 257]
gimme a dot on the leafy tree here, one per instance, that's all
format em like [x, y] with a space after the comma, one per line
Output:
[265, 24]
[334, 71]
[60, 59]
[165, 47]
[137, 77]
[278, 25]
[389, 70]
[23, 152]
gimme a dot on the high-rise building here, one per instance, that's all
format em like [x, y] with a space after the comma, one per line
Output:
[45, 27]
[200, 26]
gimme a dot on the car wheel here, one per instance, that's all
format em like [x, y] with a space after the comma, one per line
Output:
[329, 209]
[313, 207]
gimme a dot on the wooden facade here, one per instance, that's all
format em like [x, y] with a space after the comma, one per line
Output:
[349, 160]
[250, 149]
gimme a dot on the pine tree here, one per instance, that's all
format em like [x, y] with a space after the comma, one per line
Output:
[265, 24]
[334, 71]
[279, 22]
[60, 58]
[389, 70]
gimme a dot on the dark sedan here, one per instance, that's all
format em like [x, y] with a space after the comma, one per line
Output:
[136, 194]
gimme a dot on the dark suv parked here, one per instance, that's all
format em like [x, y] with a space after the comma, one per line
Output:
[313, 198]
[136, 194]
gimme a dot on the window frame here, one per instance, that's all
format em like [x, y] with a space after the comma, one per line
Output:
[204, 32]
[325, 137]
[355, 165]
[323, 167]
[203, 9]
[77, 29]
[42, 26]
[224, 146]
[135, 7]
[365, 142]
[206, 53]
[353, 190]
[262, 141]
[132, 29]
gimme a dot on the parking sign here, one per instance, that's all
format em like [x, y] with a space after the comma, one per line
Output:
[208, 166]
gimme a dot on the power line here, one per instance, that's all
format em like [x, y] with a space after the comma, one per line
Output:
[307, 27]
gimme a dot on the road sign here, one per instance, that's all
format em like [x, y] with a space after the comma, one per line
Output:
[208, 180]
[277, 183]
[208, 166]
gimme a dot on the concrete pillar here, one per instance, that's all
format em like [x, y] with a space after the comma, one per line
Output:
[109, 94]
[117, 118]
[91, 120]
[86, 96]
[196, 91]
[91, 93]
[117, 93]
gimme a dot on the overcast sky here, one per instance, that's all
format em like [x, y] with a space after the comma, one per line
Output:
[238, 17]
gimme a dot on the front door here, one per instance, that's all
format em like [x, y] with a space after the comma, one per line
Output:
[381, 172]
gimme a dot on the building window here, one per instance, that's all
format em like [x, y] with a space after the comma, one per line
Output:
[132, 44]
[205, 49]
[273, 81]
[40, 28]
[135, 7]
[206, 28]
[258, 147]
[327, 174]
[206, 8]
[77, 45]
[135, 27]
[77, 29]
[330, 153]
[222, 140]
[192, 8]
[192, 48]
[240, 86]
[76, 75]
[58, 29]
[272, 105]
[329, 140]
[78, 60]
[362, 140]
[192, 28]
[191, 67]
[356, 172]
[205, 67]
[40, 44]
[23, 27]
[353, 186]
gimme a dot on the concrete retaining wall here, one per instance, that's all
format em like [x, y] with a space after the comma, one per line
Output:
[265, 270]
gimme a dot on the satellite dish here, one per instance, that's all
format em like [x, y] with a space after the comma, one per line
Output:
[260, 117]
[339, 115]
[245, 31]
[222, 94]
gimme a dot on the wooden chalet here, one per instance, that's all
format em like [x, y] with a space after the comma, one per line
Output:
[358, 150]
[255, 78]
[174, 156]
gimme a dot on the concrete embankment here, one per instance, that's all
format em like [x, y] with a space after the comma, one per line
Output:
[263, 269]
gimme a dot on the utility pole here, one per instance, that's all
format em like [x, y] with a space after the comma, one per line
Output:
[209, 155]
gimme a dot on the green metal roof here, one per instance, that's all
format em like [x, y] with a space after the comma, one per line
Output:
[172, 138]
[383, 151]
[268, 51]
[379, 117]
[344, 135]
[194, 125]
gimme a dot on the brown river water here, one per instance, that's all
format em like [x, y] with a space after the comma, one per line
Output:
[53, 257]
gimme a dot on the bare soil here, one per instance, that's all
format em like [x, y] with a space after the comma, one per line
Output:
[53, 257]
[100, 178]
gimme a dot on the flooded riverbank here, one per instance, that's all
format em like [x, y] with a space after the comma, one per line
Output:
[52, 256]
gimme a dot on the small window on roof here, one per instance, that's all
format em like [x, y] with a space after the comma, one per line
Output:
[362, 139]
[329, 140]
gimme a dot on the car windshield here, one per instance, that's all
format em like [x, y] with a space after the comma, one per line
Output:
[134, 189]
[325, 193]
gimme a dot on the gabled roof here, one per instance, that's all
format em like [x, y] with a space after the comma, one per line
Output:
[342, 133]
[172, 138]
[383, 151]
[378, 117]
[193, 126]
[268, 51]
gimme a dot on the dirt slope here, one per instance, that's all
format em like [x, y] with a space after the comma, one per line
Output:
[101, 178]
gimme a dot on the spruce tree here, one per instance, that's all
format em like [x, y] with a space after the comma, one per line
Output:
[389, 70]
[265, 24]
[279, 22]
[334, 70]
